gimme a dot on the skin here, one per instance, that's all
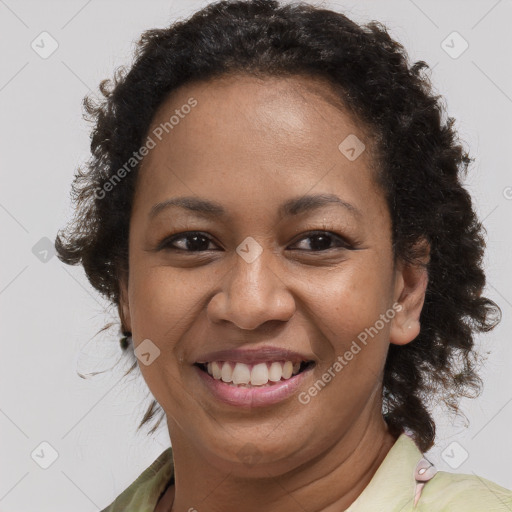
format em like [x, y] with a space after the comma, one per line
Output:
[251, 144]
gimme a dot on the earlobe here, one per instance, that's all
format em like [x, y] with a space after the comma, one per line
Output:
[410, 287]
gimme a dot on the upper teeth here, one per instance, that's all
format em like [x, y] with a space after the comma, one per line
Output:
[255, 375]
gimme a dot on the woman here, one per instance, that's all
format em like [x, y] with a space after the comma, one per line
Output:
[274, 204]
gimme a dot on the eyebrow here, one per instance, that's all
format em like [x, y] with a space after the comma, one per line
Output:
[292, 207]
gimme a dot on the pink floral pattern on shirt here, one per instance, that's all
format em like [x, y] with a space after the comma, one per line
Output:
[424, 471]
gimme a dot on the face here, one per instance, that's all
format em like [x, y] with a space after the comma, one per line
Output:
[284, 244]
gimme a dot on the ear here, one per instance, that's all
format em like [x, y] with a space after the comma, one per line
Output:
[123, 307]
[410, 286]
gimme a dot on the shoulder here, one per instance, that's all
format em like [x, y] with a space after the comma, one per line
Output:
[454, 492]
[142, 495]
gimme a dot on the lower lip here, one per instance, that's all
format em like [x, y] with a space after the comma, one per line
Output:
[255, 396]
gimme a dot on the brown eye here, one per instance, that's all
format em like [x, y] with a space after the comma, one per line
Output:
[192, 241]
[324, 240]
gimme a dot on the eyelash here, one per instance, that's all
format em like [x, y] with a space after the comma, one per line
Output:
[167, 242]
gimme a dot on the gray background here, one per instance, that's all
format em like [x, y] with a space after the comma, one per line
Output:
[49, 312]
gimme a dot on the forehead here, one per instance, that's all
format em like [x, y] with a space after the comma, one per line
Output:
[254, 136]
[289, 105]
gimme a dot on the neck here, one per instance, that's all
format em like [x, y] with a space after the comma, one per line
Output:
[329, 482]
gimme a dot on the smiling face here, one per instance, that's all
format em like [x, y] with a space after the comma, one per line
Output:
[290, 250]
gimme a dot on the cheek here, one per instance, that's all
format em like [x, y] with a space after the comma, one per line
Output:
[354, 297]
[163, 304]
[161, 301]
[348, 313]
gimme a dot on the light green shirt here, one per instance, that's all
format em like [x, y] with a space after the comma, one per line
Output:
[403, 478]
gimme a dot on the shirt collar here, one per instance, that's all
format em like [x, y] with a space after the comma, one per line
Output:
[394, 485]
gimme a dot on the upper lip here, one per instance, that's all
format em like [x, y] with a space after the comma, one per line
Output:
[256, 355]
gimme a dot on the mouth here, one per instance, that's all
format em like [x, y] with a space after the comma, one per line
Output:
[254, 375]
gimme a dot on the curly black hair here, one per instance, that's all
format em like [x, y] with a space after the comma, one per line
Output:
[421, 163]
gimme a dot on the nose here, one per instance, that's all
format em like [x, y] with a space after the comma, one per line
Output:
[251, 294]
